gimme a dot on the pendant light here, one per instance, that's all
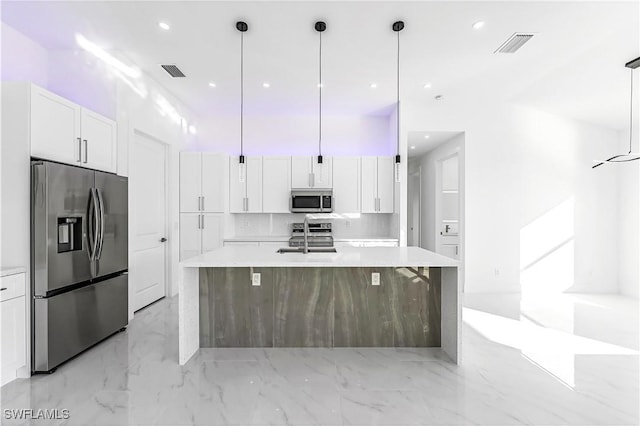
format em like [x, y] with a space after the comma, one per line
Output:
[630, 156]
[242, 27]
[320, 26]
[397, 27]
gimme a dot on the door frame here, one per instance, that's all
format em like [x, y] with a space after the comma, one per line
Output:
[413, 174]
[135, 133]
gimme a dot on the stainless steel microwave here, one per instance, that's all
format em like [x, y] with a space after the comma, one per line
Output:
[311, 201]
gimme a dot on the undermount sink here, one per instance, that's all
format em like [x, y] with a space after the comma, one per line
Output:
[310, 250]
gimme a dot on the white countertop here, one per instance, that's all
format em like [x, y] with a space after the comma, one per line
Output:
[345, 257]
[12, 271]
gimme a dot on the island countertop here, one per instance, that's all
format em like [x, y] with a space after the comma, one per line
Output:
[344, 257]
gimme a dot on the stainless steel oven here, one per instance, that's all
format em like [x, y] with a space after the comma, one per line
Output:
[311, 201]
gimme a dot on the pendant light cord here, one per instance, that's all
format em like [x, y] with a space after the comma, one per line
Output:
[241, 94]
[320, 98]
[398, 97]
[631, 115]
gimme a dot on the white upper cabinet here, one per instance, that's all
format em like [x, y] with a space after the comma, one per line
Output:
[63, 131]
[98, 141]
[213, 182]
[346, 192]
[306, 172]
[190, 181]
[55, 127]
[202, 182]
[245, 185]
[276, 184]
[322, 173]
[377, 185]
[386, 184]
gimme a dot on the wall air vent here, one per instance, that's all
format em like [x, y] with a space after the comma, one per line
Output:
[173, 71]
[515, 42]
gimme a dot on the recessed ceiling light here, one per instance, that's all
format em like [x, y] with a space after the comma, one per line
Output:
[266, 85]
[427, 86]
[193, 130]
[164, 26]
[413, 147]
[373, 85]
[478, 25]
[212, 84]
[427, 136]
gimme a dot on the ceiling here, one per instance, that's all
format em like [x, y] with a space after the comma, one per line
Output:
[573, 66]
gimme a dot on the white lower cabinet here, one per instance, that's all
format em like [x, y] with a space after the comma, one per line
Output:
[346, 191]
[199, 233]
[13, 349]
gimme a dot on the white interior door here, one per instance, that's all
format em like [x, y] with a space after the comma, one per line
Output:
[147, 180]
[448, 207]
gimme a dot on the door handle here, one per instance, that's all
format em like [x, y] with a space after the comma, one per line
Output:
[3, 289]
[86, 151]
[163, 240]
[79, 149]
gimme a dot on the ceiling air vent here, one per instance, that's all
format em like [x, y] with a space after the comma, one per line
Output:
[515, 42]
[173, 71]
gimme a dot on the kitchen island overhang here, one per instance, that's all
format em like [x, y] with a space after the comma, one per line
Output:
[320, 299]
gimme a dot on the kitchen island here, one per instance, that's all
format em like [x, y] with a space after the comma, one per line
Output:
[356, 297]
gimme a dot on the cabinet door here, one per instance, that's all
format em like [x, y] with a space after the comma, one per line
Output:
[369, 184]
[14, 337]
[301, 172]
[98, 141]
[190, 181]
[213, 182]
[55, 127]
[386, 184]
[346, 193]
[254, 185]
[211, 232]
[237, 187]
[190, 235]
[276, 184]
[322, 173]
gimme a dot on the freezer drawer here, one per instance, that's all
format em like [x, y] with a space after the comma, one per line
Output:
[66, 324]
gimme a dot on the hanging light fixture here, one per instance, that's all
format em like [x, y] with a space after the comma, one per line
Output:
[320, 26]
[242, 27]
[397, 27]
[630, 156]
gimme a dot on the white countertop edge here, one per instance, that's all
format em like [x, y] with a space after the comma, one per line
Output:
[12, 271]
[353, 257]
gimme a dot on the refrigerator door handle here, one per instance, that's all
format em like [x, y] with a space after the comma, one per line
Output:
[100, 238]
[91, 225]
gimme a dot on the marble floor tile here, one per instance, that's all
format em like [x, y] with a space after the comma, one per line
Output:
[589, 376]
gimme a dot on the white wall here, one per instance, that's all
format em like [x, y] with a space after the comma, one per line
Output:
[628, 229]
[520, 165]
[296, 135]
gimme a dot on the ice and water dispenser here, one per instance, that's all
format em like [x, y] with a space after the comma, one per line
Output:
[69, 234]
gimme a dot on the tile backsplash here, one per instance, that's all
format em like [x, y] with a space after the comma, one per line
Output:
[344, 225]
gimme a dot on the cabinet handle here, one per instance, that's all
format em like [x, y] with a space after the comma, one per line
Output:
[456, 250]
[247, 207]
[202, 216]
[310, 182]
[199, 203]
[199, 220]
[86, 151]
[79, 149]
[203, 203]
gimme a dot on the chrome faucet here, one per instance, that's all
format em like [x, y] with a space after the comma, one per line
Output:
[305, 227]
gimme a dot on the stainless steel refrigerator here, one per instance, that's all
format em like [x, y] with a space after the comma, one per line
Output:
[79, 286]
